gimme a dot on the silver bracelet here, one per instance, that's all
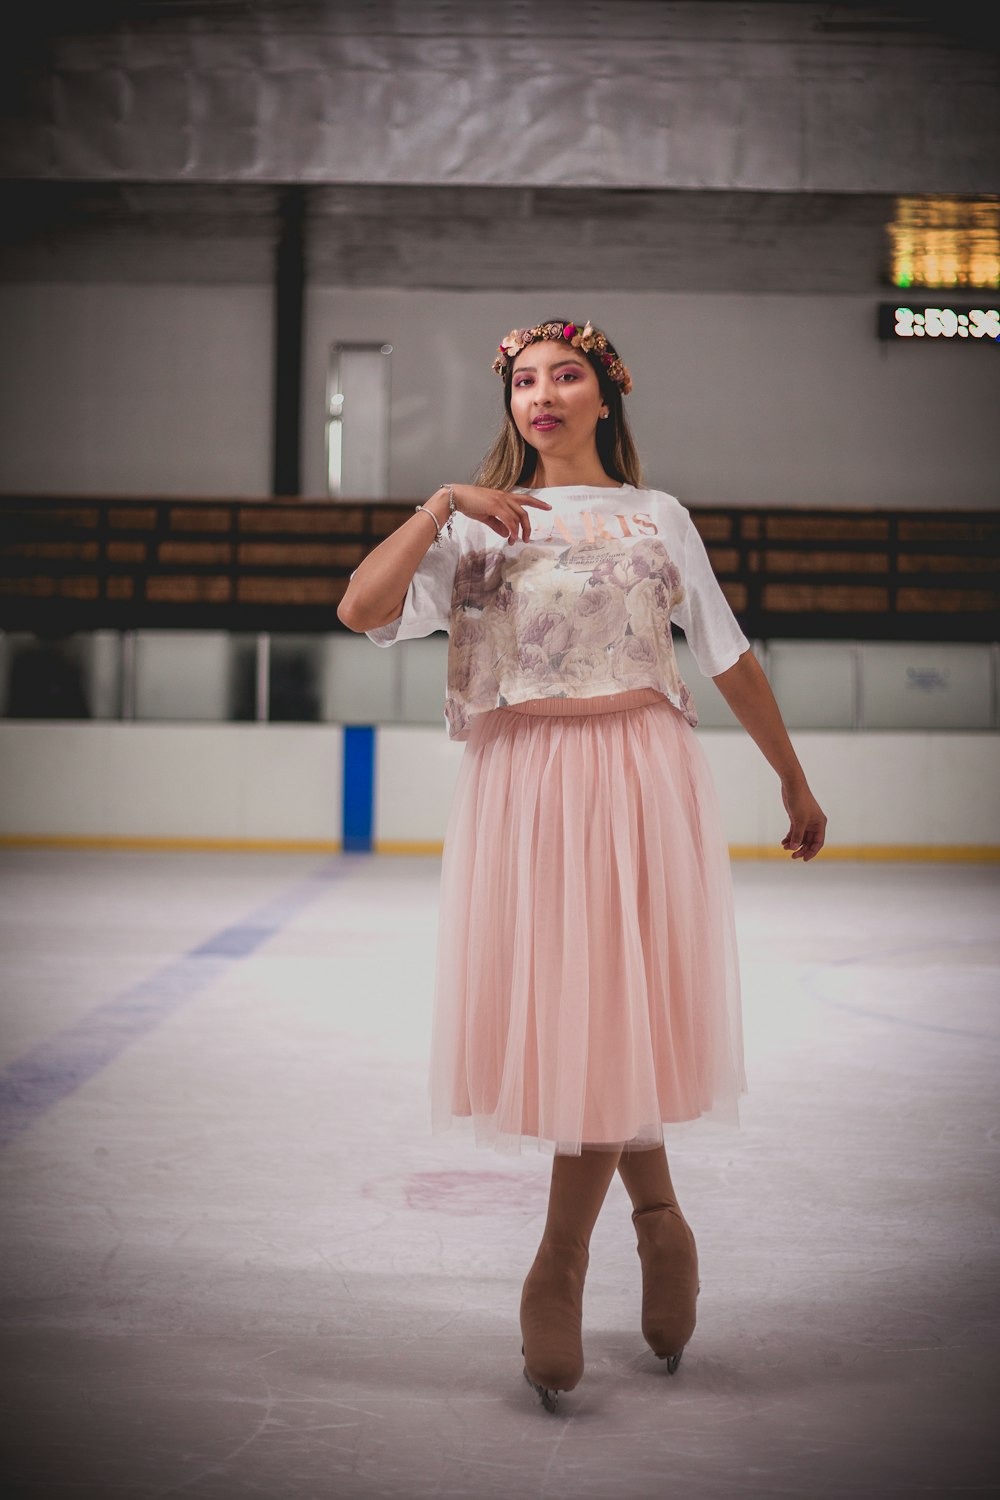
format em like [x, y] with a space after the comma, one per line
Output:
[451, 511]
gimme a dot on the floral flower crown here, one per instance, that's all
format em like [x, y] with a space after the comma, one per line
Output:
[585, 338]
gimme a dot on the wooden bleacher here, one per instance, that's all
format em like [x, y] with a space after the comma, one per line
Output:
[124, 563]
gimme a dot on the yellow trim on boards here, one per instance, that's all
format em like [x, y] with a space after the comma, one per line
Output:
[951, 853]
[137, 841]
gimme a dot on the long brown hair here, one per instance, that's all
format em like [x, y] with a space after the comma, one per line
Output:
[511, 461]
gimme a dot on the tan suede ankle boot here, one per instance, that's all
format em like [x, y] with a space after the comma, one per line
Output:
[552, 1320]
[670, 1282]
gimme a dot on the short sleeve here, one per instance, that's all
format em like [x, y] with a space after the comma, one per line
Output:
[704, 615]
[427, 606]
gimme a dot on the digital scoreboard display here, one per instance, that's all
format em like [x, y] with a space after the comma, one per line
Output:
[913, 320]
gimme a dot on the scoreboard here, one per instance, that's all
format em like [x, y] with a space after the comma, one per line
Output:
[913, 320]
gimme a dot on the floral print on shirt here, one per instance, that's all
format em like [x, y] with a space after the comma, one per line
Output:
[586, 620]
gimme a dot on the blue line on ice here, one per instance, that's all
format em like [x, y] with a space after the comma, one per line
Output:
[59, 1065]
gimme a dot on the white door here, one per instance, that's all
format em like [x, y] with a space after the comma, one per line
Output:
[357, 421]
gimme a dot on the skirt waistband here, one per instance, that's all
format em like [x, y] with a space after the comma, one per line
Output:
[610, 703]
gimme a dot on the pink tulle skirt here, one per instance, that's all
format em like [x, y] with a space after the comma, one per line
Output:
[587, 983]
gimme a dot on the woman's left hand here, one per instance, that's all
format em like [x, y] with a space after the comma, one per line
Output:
[807, 830]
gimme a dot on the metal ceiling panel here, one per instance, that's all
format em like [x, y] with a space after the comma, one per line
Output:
[798, 97]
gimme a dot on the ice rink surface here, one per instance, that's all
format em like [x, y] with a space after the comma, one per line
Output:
[236, 1264]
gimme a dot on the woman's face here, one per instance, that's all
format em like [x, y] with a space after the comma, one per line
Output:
[555, 385]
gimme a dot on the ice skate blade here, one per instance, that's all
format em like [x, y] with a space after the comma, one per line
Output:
[546, 1397]
[673, 1360]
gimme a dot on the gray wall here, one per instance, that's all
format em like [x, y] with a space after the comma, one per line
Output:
[756, 399]
[110, 389]
[739, 399]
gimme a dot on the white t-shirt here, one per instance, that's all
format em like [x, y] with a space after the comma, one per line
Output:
[581, 610]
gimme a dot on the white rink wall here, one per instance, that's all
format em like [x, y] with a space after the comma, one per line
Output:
[889, 794]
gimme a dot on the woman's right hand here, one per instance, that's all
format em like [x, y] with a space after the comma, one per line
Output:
[498, 509]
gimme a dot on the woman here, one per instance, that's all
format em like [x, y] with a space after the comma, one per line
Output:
[587, 986]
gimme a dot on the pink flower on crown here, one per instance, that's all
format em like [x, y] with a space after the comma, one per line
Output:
[587, 338]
